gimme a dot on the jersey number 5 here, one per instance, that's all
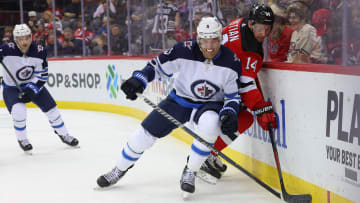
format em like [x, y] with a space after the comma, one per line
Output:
[251, 64]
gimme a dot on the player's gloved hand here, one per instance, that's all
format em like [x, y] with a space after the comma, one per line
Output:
[31, 91]
[265, 114]
[133, 85]
[229, 122]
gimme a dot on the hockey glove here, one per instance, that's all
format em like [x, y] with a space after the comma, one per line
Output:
[31, 91]
[265, 114]
[133, 85]
[229, 122]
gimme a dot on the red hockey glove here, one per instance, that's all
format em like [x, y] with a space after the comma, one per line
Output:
[264, 115]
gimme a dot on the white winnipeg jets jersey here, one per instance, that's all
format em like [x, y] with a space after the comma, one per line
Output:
[25, 68]
[200, 79]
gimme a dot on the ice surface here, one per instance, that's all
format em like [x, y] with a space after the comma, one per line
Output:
[56, 173]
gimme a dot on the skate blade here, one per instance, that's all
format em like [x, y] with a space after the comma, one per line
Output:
[185, 195]
[72, 147]
[98, 188]
[29, 152]
[206, 177]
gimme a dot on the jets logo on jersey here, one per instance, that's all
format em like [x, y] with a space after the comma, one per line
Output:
[11, 45]
[25, 73]
[188, 44]
[203, 89]
[40, 48]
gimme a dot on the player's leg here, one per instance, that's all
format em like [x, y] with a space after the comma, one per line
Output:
[153, 127]
[209, 126]
[245, 120]
[47, 105]
[17, 109]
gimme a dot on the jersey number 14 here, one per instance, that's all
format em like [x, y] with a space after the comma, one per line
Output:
[251, 64]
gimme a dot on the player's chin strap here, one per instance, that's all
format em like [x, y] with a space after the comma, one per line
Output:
[305, 198]
[202, 141]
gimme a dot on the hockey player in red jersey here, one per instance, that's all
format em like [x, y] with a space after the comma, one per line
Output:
[244, 37]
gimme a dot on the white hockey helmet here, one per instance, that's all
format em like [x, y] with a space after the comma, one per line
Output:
[21, 30]
[209, 27]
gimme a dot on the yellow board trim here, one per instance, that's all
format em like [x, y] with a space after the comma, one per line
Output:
[266, 173]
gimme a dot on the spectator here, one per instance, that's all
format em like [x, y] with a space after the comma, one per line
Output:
[166, 19]
[89, 9]
[181, 34]
[99, 47]
[354, 42]
[333, 36]
[47, 19]
[71, 13]
[101, 9]
[58, 11]
[50, 45]
[103, 29]
[319, 19]
[39, 36]
[33, 21]
[119, 44]
[279, 40]
[7, 37]
[243, 8]
[230, 14]
[99, 14]
[71, 46]
[78, 33]
[49, 30]
[304, 45]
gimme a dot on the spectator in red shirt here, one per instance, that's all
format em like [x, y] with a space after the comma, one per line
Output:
[279, 40]
[58, 11]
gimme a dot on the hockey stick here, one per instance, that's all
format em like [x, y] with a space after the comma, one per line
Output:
[202, 141]
[13, 79]
[304, 198]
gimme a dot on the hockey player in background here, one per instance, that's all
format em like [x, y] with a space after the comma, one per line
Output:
[27, 62]
[205, 94]
[244, 37]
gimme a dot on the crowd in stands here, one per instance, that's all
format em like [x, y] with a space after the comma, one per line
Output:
[305, 31]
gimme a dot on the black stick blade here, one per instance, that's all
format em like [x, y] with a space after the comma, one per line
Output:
[298, 198]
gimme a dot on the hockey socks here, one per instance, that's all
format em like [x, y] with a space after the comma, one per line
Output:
[56, 121]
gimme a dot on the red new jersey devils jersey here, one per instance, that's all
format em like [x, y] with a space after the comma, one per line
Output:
[239, 38]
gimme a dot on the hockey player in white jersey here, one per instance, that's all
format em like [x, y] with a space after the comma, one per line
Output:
[205, 94]
[27, 64]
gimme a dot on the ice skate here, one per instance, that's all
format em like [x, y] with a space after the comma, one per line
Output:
[209, 167]
[112, 177]
[69, 140]
[187, 182]
[217, 163]
[26, 146]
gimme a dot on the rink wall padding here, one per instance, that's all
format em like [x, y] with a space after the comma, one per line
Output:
[318, 109]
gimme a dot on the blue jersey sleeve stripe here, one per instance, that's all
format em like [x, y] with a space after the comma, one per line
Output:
[162, 71]
[42, 78]
[43, 71]
[234, 95]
